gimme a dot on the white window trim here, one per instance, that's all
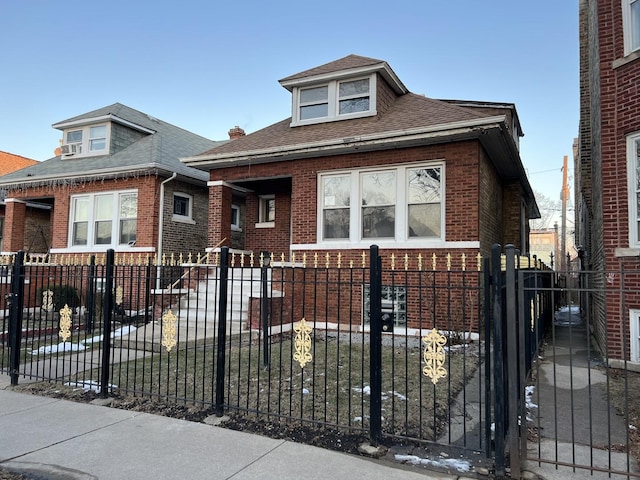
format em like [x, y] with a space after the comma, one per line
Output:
[261, 221]
[333, 100]
[188, 218]
[627, 27]
[86, 130]
[634, 334]
[90, 246]
[235, 226]
[632, 158]
[401, 239]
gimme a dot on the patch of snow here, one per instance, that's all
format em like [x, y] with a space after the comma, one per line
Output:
[366, 390]
[305, 391]
[449, 463]
[88, 385]
[119, 332]
[61, 347]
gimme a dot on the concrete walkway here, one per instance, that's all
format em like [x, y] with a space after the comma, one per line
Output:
[574, 421]
[54, 439]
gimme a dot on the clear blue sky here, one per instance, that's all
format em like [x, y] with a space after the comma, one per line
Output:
[207, 66]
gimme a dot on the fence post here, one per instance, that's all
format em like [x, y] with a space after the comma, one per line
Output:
[91, 295]
[512, 361]
[375, 346]
[488, 325]
[498, 360]
[222, 330]
[15, 316]
[107, 310]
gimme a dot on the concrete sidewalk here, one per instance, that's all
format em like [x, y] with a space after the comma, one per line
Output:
[58, 439]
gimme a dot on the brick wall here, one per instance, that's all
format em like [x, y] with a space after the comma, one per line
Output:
[185, 237]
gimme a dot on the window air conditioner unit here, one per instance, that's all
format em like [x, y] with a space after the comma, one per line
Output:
[70, 148]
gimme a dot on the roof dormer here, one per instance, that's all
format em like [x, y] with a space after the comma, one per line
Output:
[94, 136]
[340, 90]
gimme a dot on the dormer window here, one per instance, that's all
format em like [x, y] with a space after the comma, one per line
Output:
[334, 100]
[86, 141]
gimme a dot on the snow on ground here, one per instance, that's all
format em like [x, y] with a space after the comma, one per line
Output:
[449, 463]
[75, 347]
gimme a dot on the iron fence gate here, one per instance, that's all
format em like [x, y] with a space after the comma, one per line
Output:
[441, 351]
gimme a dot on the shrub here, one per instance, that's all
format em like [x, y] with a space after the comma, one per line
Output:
[62, 295]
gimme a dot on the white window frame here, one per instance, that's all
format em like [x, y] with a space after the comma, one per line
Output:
[633, 165]
[188, 217]
[634, 334]
[628, 27]
[333, 101]
[91, 221]
[401, 237]
[83, 148]
[235, 223]
[263, 203]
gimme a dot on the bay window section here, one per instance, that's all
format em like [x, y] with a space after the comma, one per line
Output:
[103, 216]
[104, 219]
[335, 209]
[378, 204]
[128, 218]
[424, 210]
[398, 204]
[80, 224]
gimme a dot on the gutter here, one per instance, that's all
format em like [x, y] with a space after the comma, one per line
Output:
[106, 172]
[376, 139]
[161, 224]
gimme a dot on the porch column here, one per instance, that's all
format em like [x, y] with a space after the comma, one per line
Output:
[14, 224]
[220, 201]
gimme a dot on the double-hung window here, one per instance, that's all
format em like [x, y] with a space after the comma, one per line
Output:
[335, 100]
[86, 141]
[103, 219]
[631, 25]
[399, 204]
[633, 169]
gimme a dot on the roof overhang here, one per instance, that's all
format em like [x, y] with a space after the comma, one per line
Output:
[491, 132]
[101, 119]
[382, 68]
[103, 174]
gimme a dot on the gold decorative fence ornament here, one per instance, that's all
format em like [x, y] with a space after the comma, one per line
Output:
[119, 295]
[47, 301]
[434, 356]
[65, 323]
[169, 330]
[302, 343]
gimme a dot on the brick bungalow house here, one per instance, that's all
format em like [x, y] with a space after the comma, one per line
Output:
[10, 163]
[117, 182]
[607, 170]
[364, 161]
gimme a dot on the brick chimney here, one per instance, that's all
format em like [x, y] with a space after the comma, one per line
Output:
[236, 132]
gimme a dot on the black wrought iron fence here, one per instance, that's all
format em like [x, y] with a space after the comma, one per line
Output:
[400, 348]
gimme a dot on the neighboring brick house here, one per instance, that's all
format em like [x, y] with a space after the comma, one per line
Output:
[118, 183]
[607, 166]
[10, 163]
[364, 161]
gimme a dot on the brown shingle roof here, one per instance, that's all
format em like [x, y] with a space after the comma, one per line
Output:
[10, 162]
[407, 112]
[346, 63]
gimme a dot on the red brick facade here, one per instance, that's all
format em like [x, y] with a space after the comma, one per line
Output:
[610, 111]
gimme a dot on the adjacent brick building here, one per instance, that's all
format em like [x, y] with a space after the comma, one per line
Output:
[608, 171]
[115, 182]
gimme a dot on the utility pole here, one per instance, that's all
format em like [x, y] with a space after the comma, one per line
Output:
[564, 196]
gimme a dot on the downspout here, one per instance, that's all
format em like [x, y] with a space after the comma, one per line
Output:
[161, 225]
